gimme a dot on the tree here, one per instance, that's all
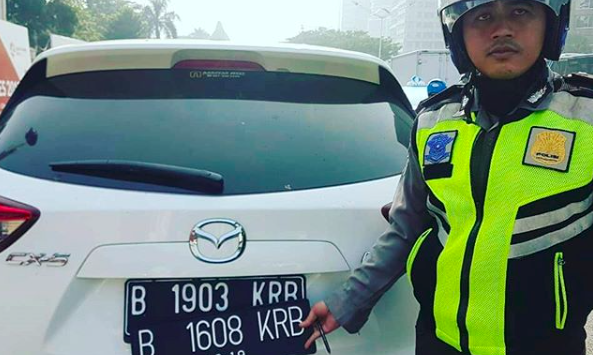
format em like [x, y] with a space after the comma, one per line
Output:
[127, 23]
[104, 7]
[350, 40]
[109, 19]
[43, 17]
[28, 13]
[90, 26]
[62, 18]
[159, 19]
[101, 12]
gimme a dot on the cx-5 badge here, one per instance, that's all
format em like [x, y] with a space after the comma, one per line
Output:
[26, 259]
[198, 233]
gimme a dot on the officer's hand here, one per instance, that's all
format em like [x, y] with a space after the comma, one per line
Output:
[319, 312]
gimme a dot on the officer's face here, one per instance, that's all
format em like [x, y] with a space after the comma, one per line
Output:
[504, 38]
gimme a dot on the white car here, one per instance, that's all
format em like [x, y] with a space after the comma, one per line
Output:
[179, 198]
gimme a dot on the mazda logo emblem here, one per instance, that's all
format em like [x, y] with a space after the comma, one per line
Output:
[198, 233]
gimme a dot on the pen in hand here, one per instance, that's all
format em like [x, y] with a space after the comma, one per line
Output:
[321, 319]
[323, 336]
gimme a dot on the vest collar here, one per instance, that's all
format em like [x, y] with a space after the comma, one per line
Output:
[537, 98]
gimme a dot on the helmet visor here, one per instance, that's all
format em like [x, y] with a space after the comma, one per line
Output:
[456, 9]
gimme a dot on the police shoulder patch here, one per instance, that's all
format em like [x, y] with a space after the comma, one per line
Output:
[439, 148]
[549, 148]
[578, 84]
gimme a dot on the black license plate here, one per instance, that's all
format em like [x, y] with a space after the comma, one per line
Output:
[244, 316]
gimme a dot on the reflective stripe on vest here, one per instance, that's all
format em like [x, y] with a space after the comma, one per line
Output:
[442, 222]
[511, 185]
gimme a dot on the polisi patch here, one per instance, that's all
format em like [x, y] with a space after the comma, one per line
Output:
[439, 148]
[549, 148]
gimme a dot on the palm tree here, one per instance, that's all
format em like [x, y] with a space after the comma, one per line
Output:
[159, 19]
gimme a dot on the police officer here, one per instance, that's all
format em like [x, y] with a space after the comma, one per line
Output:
[492, 218]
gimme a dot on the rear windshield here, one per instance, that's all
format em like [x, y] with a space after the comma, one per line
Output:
[261, 131]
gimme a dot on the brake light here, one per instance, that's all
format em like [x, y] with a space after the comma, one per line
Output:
[15, 219]
[385, 211]
[218, 65]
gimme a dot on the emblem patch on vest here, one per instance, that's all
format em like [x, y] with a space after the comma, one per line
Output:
[549, 148]
[439, 148]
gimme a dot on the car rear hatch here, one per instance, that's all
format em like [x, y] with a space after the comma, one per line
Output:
[186, 177]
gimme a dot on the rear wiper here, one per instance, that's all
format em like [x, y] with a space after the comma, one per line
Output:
[158, 174]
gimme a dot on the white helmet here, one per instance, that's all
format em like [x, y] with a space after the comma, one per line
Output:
[450, 11]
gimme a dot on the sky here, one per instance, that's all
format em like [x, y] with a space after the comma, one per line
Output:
[255, 20]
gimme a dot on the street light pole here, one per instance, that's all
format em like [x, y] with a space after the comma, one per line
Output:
[387, 13]
[381, 38]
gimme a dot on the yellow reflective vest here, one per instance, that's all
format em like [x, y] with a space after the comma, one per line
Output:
[509, 260]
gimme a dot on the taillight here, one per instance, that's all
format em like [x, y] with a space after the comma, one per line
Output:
[15, 219]
[218, 65]
[385, 211]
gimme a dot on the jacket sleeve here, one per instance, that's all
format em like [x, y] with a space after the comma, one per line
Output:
[408, 218]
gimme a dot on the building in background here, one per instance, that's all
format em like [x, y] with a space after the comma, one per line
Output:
[381, 11]
[355, 15]
[219, 33]
[416, 26]
[581, 18]
[412, 23]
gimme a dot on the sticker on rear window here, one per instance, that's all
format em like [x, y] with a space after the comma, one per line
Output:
[216, 74]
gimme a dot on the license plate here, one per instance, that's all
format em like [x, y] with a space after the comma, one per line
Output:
[244, 316]
[265, 330]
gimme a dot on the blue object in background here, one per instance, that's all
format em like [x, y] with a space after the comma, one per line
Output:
[435, 86]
